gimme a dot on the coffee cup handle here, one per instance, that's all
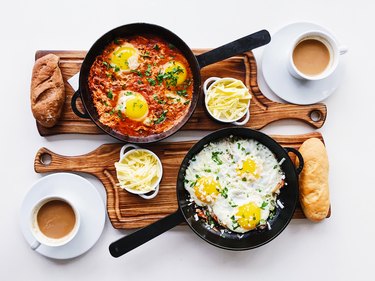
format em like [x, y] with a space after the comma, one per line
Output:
[127, 147]
[35, 245]
[144, 196]
[243, 122]
[343, 50]
[208, 81]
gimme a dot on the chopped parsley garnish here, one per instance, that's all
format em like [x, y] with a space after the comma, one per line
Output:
[215, 157]
[139, 82]
[156, 47]
[162, 117]
[232, 204]
[170, 77]
[146, 55]
[224, 192]
[112, 111]
[160, 77]
[244, 179]
[110, 94]
[235, 223]
[137, 72]
[186, 102]
[106, 64]
[151, 81]
[207, 170]
[160, 101]
[171, 46]
[148, 71]
[117, 69]
[264, 204]
[119, 113]
[116, 41]
[182, 93]
[129, 93]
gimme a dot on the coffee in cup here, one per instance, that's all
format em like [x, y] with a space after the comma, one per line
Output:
[54, 222]
[314, 55]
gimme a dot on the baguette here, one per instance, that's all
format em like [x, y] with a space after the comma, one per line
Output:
[313, 180]
[47, 93]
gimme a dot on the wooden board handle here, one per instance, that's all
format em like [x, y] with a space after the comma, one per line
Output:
[315, 115]
[93, 163]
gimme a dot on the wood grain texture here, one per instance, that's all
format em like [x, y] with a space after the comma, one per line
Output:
[243, 67]
[127, 210]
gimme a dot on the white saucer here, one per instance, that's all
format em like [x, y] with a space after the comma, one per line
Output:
[276, 74]
[84, 196]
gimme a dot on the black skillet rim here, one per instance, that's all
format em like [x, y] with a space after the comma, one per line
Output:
[252, 239]
[128, 30]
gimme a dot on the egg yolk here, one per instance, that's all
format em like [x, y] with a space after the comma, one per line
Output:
[206, 189]
[120, 57]
[249, 166]
[249, 216]
[136, 107]
[177, 70]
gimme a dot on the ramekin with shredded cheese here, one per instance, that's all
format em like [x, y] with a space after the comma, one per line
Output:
[139, 171]
[227, 99]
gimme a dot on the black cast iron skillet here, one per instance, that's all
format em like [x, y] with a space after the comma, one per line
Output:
[231, 241]
[239, 46]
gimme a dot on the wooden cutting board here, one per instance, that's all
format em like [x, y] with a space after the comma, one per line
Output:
[243, 67]
[127, 210]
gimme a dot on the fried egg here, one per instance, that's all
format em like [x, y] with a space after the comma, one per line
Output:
[177, 72]
[236, 180]
[125, 58]
[206, 189]
[133, 105]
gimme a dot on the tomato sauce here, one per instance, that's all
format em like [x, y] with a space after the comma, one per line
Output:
[141, 85]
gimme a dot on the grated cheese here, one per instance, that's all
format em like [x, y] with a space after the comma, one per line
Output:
[228, 100]
[138, 171]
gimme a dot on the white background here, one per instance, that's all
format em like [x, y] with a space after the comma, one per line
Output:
[340, 248]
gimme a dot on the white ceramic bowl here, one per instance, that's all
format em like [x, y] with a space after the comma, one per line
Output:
[207, 88]
[130, 148]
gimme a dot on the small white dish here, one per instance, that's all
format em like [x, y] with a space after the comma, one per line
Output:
[131, 148]
[212, 82]
[278, 78]
[87, 200]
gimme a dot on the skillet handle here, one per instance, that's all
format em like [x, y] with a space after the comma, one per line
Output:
[236, 47]
[299, 156]
[139, 237]
[75, 109]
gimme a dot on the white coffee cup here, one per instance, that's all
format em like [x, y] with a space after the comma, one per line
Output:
[39, 236]
[207, 88]
[334, 53]
[130, 148]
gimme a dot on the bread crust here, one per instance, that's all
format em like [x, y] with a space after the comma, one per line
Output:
[313, 180]
[47, 93]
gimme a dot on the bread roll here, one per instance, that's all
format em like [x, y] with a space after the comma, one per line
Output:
[313, 180]
[47, 93]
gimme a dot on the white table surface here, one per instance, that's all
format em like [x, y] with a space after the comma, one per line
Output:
[339, 248]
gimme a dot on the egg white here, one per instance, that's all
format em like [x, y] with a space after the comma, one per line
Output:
[240, 189]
